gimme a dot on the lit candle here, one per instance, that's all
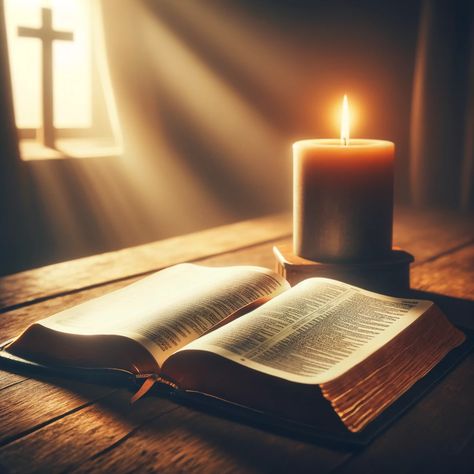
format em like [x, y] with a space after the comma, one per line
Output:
[343, 197]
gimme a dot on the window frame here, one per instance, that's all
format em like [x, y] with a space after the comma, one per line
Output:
[100, 129]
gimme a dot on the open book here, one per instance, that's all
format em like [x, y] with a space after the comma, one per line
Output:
[323, 353]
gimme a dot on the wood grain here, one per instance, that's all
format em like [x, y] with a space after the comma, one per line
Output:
[33, 403]
[411, 228]
[426, 237]
[60, 425]
[14, 321]
[84, 434]
[426, 234]
[7, 379]
[61, 278]
[190, 441]
[451, 274]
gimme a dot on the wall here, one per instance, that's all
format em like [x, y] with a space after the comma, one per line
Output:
[210, 97]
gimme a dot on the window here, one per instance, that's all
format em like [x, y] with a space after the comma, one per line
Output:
[61, 89]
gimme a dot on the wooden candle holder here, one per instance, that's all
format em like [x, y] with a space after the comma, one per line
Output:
[390, 275]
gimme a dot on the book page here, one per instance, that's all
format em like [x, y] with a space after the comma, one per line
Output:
[313, 333]
[170, 308]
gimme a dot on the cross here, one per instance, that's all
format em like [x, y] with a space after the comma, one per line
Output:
[47, 35]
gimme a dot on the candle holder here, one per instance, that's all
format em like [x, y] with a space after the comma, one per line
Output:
[343, 214]
[389, 274]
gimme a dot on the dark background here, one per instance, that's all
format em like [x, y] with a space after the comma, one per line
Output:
[211, 95]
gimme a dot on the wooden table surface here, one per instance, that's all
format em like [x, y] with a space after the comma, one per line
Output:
[50, 424]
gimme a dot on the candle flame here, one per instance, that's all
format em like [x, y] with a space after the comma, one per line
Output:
[345, 122]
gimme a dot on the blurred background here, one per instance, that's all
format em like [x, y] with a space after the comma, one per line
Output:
[171, 116]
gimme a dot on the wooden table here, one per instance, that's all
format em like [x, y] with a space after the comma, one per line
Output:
[53, 425]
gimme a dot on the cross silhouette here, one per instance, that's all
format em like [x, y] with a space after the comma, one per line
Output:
[46, 35]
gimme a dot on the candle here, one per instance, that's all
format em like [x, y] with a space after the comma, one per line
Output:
[343, 197]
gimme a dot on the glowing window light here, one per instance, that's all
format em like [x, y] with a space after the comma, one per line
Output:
[72, 106]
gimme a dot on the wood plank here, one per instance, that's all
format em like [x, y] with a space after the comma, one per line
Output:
[13, 321]
[449, 281]
[190, 441]
[65, 277]
[429, 438]
[411, 228]
[7, 379]
[31, 404]
[189, 445]
[451, 274]
[18, 318]
[72, 440]
[459, 283]
[426, 234]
